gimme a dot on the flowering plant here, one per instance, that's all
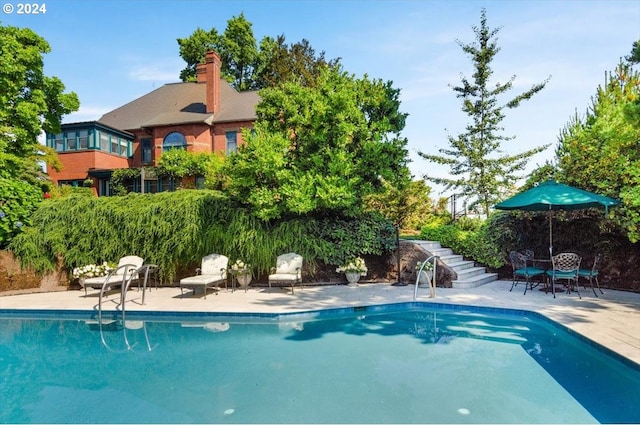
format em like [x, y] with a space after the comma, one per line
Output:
[356, 265]
[240, 265]
[428, 266]
[92, 270]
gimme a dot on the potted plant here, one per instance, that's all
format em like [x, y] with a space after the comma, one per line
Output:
[242, 273]
[91, 270]
[426, 275]
[353, 270]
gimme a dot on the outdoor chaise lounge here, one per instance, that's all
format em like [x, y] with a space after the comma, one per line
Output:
[212, 272]
[116, 277]
[288, 270]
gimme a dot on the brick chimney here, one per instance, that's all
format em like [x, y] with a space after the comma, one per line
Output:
[209, 74]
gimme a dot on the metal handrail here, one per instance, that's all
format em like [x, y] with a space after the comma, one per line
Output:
[432, 281]
[130, 274]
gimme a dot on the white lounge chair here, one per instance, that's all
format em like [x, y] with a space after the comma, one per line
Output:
[288, 270]
[115, 278]
[212, 272]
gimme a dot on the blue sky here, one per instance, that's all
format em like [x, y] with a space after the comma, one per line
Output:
[110, 52]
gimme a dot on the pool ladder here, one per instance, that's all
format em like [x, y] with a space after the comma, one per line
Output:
[432, 281]
[130, 273]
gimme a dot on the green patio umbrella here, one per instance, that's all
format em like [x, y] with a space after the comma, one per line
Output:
[551, 195]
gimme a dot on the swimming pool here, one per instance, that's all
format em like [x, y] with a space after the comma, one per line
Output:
[412, 363]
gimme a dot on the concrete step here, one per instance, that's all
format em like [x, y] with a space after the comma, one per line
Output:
[474, 281]
[467, 274]
[461, 265]
[448, 259]
[428, 245]
[441, 252]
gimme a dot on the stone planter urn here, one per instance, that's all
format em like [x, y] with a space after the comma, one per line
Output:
[352, 278]
[244, 279]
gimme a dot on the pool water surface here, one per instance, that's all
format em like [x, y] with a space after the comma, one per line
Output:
[385, 365]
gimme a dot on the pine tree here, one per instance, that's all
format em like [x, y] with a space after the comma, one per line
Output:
[479, 170]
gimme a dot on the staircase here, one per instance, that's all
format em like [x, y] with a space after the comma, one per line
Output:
[468, 276]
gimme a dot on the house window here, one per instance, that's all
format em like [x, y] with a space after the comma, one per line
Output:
[232, 141]
[82, 139]
[59, 142]
[146, 150]
[71, 141]
[104, 141]
[114, 145]
[174, 140]
[124, 145]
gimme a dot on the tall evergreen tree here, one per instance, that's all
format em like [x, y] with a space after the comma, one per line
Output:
[478, 168]
[634, 56]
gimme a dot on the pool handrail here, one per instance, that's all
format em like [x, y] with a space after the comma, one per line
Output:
[432, 280]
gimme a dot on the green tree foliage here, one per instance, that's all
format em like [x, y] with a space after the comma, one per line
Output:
[30, 102]
[279, 62]
[18, 199]
[239, 53]
[600, 151]
[478, 168]
[236, 46]
[321, 150]
[634, 56]
[408, 206]
[247, 65]
[194, 48]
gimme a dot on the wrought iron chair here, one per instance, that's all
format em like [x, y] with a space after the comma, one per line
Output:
[212, 272]
[288, 270]
[116, 276]
[592, 274]
[521, 270]
[565, 267]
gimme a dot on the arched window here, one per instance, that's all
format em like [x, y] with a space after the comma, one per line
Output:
[174, 140]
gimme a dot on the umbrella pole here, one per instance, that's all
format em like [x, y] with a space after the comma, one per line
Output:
[553, 286]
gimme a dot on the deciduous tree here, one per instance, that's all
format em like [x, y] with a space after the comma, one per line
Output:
[249, 66]
[321, 150]
[30, 102]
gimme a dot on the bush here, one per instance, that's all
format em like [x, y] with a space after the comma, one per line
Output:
[19, 200]
[176, 229]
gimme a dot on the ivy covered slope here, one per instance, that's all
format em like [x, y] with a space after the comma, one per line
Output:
[176, 229]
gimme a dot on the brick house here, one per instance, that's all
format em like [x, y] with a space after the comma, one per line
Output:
[203, 116]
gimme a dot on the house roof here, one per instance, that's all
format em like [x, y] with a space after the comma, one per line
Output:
[182, 103]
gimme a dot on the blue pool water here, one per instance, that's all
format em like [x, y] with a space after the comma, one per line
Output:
[417, 363]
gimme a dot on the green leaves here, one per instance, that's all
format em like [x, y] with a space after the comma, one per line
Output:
[30, 102]
[176, 229]
[321, 150]
[600, 152]
[478, 168]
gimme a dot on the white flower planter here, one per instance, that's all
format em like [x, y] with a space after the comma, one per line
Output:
[353, 278]
[244, 280]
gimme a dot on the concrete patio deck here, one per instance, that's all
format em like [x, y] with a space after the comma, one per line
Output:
[612, 319]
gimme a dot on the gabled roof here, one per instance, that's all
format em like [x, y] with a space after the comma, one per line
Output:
[182, 103]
